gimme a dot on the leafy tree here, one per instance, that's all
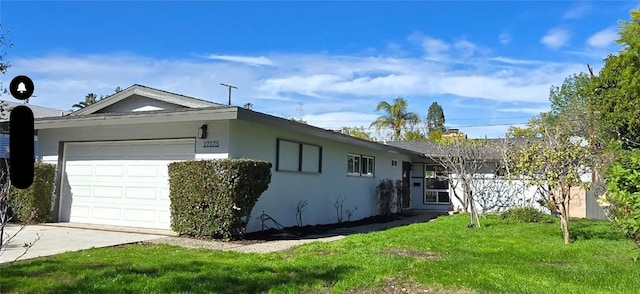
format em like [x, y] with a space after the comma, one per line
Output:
[623, 194]
[413, 132]
[435, 135]
[435, 119]
[533, 129]
[89, 99]
[414, 135]
[299, 120]
[358, 132]
[571, 95]
[616, 89]
[396, 117]
[555, 160]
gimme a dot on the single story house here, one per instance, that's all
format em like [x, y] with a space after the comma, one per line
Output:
[112, 160]
[493, 192]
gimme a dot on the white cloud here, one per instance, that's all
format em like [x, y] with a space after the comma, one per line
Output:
[504, 38]
[334, 90]
[261, 60]
[556, 38]
[603, 38]
[466, 48]
[436, 49]
[525, 110]
[577, 11]
[514, 61]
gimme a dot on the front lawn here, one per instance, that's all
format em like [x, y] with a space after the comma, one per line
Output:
[439, 255]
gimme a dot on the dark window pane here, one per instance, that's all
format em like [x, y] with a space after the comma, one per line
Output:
[430, 183]
[443, 196]
[430, 196]
[442, 184]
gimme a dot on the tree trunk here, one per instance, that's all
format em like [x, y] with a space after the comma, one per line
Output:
[473, 211]
[564, 215]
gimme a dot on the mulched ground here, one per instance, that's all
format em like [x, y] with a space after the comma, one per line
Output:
[296, 232]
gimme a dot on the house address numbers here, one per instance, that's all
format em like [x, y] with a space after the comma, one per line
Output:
[210, 144]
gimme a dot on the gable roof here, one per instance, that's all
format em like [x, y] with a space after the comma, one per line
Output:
[147, 92]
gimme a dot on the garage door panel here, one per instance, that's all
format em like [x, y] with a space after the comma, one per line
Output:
[121, 183]
[109, 150]
[110, 170]
[107, 192]
[139, 215]
[139, 170]
[143, 193]
[80, 170]
[81, 211]
[107, 213]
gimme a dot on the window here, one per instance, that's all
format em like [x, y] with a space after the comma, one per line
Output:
[367, 166]
[298, 157]
[436, 185]
[394, 162]
[360, 165]
[353, 164]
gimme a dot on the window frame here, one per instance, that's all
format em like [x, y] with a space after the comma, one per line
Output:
[431, 172]
[300, 157]
[370, 165]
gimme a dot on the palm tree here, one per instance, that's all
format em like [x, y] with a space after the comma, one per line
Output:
[88, 100]
[395, 117]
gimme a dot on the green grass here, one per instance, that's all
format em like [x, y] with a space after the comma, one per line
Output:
[500, 257]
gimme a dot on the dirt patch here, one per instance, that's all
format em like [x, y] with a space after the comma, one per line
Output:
[394, 286]
[406, 252]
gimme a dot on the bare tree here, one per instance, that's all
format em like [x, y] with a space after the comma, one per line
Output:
[463, 160]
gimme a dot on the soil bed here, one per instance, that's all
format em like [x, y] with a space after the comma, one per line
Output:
[297, 232]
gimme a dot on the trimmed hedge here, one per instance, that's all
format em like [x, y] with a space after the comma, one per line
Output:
[33, 204]
[214, 198]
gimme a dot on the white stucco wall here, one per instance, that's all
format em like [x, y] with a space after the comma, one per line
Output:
[251, 140]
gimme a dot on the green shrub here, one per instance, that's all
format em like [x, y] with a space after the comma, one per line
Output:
[623, 194]
[214, 198]
[525, 215]
[33, 204]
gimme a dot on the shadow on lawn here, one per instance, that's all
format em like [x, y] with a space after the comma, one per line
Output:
[582, 230]
[188, 276]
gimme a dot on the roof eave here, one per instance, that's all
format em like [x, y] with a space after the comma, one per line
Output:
[137, 118]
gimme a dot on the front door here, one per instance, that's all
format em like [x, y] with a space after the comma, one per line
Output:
[406, 184]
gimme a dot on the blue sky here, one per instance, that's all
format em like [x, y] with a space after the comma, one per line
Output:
[489, 64]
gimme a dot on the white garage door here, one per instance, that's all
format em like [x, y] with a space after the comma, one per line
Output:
[120, 183]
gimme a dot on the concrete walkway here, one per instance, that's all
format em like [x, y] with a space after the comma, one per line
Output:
[56, 240]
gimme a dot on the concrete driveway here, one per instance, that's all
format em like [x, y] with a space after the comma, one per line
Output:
[55, 240]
